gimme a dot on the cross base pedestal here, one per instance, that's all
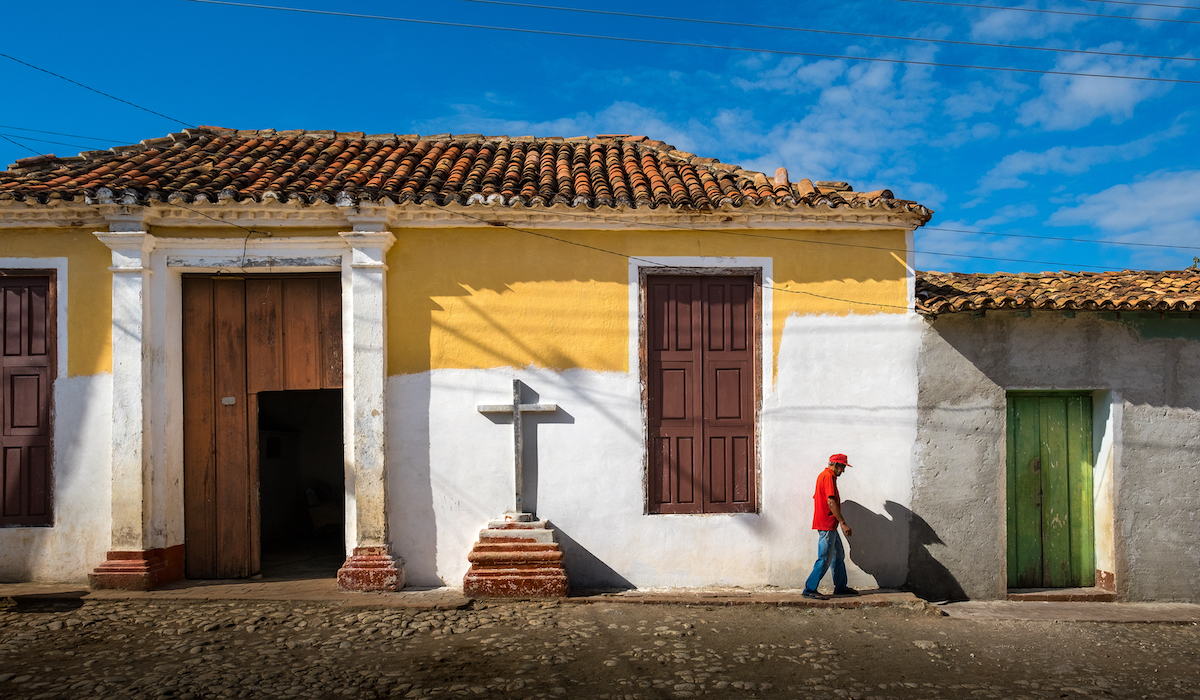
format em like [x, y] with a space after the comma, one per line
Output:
[516, 559]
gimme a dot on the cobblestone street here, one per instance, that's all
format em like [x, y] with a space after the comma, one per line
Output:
[179, 649]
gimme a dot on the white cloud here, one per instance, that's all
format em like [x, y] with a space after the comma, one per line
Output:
[1008, 174]
[1071, 102]
[795, 75]
[982, 99]
[997, 25]
[1162, 208]
[1162, 199]
[617, 118]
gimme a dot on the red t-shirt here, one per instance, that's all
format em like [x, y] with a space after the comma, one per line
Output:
[826, 486]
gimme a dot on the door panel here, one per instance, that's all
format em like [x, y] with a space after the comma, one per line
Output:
[242, 336]
[1050, 516]
[700, 393]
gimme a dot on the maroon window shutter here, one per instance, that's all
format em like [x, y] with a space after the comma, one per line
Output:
[674, 362]
[27, 372]
[729, 388]
[700, 394]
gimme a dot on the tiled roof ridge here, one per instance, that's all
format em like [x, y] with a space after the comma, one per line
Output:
[1124, 290]
[447, 168]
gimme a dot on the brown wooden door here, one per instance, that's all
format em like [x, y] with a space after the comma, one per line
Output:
[702, 380]
[242, 336]
[27, 371]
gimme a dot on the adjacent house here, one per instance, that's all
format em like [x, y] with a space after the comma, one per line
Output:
[219, 341]
[1058, 439]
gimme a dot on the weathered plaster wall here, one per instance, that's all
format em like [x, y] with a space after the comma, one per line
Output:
[471, 310]
[89, 290]
[82, 409]
[82, 491]
[1149, 365]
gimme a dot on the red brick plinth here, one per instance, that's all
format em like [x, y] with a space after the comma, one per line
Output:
[503, 568]
[371, 569]
[139, 570]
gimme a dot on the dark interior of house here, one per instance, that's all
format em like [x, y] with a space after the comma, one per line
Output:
[301, 478]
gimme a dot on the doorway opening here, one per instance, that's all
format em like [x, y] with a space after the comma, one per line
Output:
[301, 483]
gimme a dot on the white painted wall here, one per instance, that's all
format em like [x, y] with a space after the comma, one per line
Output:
[70, 549]
[844, 384]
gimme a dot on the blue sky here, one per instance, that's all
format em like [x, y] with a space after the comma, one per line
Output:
[1108, 161]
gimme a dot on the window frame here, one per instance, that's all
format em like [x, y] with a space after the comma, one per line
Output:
[760, 305]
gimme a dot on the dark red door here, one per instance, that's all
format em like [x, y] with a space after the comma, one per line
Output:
[702, 382]
[27, 367]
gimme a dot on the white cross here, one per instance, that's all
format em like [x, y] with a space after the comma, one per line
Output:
[515, 409]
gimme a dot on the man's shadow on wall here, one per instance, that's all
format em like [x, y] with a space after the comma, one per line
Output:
[894, 549]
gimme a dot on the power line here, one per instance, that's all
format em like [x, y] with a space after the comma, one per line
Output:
[1047, 12]
[693, 20]
[1060, 238]
[666, 266]
[856, 245]
[56, 143]
[59, 133]
[685, 44]
[20, 145]
[1146, 4]
[98, 92]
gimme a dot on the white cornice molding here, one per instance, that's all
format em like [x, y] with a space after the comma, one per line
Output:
[378, 217]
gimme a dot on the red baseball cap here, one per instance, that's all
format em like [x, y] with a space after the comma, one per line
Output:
[839, 459]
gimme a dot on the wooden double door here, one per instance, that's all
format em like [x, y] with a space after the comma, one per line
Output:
[702, 384]
[1050, 509]
[242, 336]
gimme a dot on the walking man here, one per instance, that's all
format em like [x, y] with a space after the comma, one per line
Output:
[827, 513]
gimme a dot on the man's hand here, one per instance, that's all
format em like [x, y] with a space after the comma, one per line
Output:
[846, 529]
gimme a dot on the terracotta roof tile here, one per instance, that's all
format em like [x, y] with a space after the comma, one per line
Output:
[308, 167]
[1129, 290]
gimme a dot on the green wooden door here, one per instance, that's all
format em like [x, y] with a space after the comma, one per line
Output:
[1050, 516]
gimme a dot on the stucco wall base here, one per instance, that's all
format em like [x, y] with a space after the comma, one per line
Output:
[139, 571]
[371, 569]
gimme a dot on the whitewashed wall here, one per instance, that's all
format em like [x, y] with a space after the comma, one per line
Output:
[844, 384]
[82, 490]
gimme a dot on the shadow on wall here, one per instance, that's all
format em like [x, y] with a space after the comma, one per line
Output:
[585, 570]
[412, 524]
[893, 548]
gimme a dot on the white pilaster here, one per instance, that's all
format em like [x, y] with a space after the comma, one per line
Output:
[364, 337]
[131, 329]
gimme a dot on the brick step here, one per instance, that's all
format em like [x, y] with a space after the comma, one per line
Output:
[505, 557]
[522, 584]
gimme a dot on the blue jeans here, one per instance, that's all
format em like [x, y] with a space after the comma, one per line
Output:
[829, 551]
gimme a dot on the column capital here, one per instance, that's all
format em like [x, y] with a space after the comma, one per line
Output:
[130, 249]
[368, 248]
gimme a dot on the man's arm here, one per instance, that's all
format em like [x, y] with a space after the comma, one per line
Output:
[837, 513]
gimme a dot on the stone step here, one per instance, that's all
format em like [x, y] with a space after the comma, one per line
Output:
[508, 557]
[516, 525]
[522, 535]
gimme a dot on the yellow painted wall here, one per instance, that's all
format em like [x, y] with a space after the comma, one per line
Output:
[470, 298]
[89, 290]
[497, 297]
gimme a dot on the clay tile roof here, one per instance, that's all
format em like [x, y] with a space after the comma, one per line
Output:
[1128, 290]
[309, 167]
